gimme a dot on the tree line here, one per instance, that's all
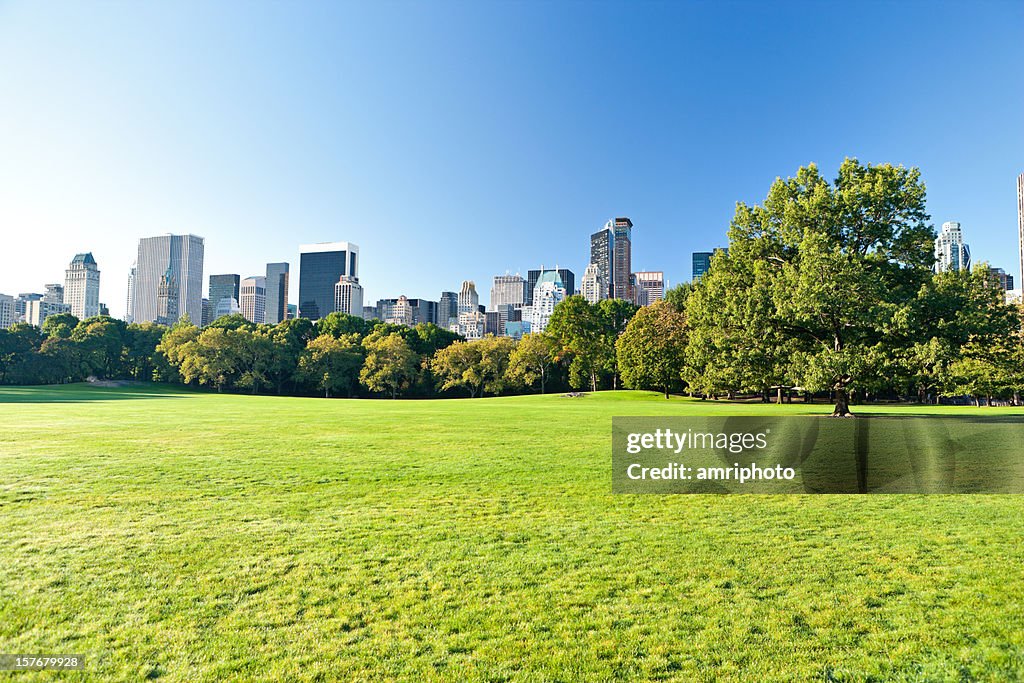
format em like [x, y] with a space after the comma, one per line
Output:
[826, 288]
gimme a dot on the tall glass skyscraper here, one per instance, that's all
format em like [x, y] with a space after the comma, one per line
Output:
[226, 286]
[171, 260]
[701, 263]
[277, 293]
[320, 268]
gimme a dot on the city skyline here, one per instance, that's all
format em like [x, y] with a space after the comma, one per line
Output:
[257, 161]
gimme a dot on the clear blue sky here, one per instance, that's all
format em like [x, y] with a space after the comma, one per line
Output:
[456, 141]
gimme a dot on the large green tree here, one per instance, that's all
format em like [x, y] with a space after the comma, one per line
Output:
[531, 361]
[390, 366]
[652, 350]
[814, 281]
[332, 363]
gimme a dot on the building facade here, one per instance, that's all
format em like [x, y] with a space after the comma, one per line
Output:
[622, 259]
[602, 247]
[951, 252]
[178, 259]
[1000, 279]
[650, 287]
[320, 268]
[549, 292]
[508, 289]
[7, 314]
[533, 277]
[38, 310]
[469, 300]
[253, 301]
[448, 309]
[82, 286]
[593, 287]
[224, 286]
[348, 296]
[277, 293]
[701, 263]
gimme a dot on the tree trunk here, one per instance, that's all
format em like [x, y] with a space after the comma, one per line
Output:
[977, 401]
[778, 396]
[842, 403]
[593, 381]
[1016, 397]
[988, 401]
[542, 380]
[666, 392]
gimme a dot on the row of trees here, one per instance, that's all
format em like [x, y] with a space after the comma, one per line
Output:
[826, 288]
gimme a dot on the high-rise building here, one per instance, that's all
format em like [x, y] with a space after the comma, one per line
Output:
[701, 263]
[508, 289]
[549, 292]
[38, 310]
[348, 296]
[129, 315]
[320, 268]
[82, 286]
[277, 293]
[593, 287]
[172, 260]
[253, 301]
[54, 294]
[21, 304]
[650, 287]
[7, 316]
[951, 252]
[1000, 279]
[469, 301]
[207, 312]
[225, 307]
[602, 248]
[471, 324]
[1020, 221]
[225, 286]
[396, 311]
[622, 259]
[533, 276]
[447, 309]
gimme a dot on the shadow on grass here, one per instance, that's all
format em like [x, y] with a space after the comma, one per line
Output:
[83, 393]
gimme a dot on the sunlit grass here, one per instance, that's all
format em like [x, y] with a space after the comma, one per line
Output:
[197, 537]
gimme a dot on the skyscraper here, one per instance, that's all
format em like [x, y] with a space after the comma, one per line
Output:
[593, 287]
[549, 292]
[82, 286]
[348, 296]
[277, 293]
[508, 289]
[602, 247]
[448, 309]
[701, 263]
[650, 287]
[469, 301]
[320, 268]
[622, 259]
[951, 252]
[253, 301]
[1020, 222]
[129, 308]
[177, 260]
[533, 276]
[225, 286]
[54, 294]
[7, 317]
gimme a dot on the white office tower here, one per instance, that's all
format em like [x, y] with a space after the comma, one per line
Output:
[508, 290]
[469, 301]
[951, 253]
[7, 315]
[82, 286]
[174, 263]
[548, 293]
[348, 296]
[226, 306]
[253, 298]
[650, 287]
[593, 287]
[129, 315]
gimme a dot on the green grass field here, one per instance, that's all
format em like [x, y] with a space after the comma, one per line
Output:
[195, 537]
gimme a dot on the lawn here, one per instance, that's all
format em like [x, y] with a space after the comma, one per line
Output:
[197, 537]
